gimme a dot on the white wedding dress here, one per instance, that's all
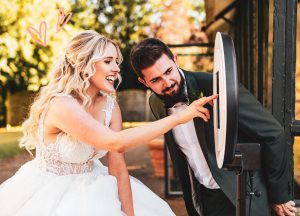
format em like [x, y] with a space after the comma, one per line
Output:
[66, 178]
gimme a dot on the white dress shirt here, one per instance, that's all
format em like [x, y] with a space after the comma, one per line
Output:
[186, 137]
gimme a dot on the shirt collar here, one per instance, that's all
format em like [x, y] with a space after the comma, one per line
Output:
[184, 84]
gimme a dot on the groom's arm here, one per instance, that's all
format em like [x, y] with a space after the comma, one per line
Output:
[261, 126]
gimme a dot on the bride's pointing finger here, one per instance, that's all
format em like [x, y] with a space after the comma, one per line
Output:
[204, 111]
[201, 115]
[204, 100]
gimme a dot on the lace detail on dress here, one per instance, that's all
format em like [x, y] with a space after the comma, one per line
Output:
[50, 162]
[110, 104]
[68, 155]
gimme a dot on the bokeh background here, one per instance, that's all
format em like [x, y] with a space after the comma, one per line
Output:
[188, 26]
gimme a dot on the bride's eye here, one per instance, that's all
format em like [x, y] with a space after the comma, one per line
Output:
[107, 62]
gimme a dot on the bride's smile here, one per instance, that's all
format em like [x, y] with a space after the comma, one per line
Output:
[106, 71]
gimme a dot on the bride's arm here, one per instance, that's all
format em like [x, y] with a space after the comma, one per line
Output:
[69, 116]
[117, 167]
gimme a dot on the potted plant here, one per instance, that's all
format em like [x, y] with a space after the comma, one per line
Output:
[156, 149]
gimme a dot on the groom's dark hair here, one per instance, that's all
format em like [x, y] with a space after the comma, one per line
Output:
[146, 53]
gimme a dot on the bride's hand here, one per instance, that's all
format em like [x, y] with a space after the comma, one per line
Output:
[196, 109]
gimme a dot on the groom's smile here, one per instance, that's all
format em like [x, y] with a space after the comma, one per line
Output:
[170, 89]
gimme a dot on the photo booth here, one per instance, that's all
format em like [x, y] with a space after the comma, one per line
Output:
[243, 158]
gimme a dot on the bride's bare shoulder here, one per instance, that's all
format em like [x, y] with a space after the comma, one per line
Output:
[63, 107]
[60, 106]
[63, 101]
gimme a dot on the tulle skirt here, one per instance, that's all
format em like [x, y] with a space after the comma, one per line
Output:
[34, 192]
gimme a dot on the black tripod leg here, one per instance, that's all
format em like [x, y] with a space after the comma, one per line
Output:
[241, 193]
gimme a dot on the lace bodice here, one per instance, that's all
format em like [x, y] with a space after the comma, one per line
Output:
[68, 155]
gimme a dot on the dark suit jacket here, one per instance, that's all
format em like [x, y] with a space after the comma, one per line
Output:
[255, 124]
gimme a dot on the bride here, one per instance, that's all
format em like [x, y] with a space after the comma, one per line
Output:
[73, 122]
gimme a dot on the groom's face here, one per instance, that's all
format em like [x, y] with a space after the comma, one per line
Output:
[163, 77]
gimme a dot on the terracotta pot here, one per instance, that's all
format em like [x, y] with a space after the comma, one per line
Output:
[156, 148]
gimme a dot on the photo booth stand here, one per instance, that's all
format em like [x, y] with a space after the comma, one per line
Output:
[242, 158]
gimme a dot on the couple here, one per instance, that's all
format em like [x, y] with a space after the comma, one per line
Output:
[75, 121]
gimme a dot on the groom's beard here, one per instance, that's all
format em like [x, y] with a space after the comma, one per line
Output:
[170, 99]
[168, 89]
[165, 96]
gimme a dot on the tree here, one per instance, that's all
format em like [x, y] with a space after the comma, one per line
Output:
[180, 22]
[126, 21]
[24, 64]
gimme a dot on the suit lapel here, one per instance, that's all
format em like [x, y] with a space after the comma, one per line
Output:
[193, 94]
[192, 87]
[176, 154]
[200, 131]
[161, 110]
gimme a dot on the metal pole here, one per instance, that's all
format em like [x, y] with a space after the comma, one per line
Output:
[241, 193]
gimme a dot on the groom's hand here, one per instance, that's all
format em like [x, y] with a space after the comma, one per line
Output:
[285, 209]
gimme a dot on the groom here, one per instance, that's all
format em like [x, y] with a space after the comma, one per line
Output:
[208, 190]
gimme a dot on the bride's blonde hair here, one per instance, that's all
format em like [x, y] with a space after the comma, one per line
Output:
[70, 75]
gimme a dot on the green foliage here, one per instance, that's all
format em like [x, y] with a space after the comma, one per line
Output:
[9, 144]
[24, 64]
[125, 21]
